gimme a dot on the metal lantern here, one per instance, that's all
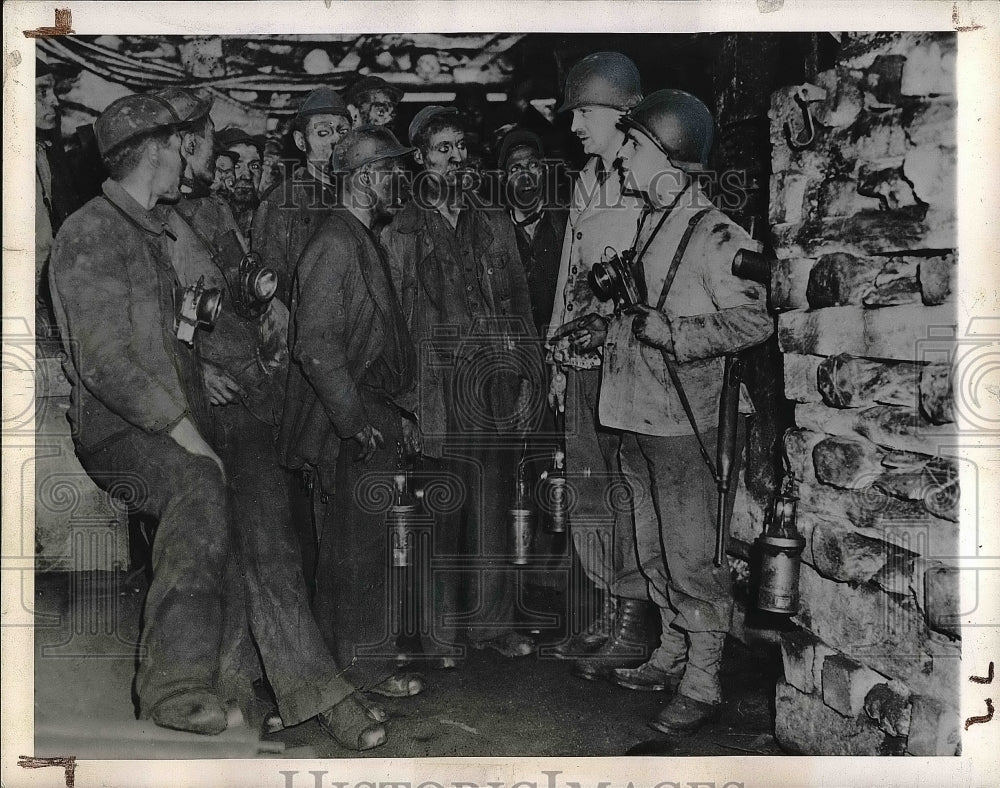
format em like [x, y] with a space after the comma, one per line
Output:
[781, 554]
[521, 518]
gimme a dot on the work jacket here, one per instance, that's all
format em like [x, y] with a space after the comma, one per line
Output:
[349, 343]
[710, 311]
[601, 218]
[288, 215]
[252, 352]
[465, 298]
[113, 290]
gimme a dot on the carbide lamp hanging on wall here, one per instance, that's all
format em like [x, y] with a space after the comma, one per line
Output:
[781, 553]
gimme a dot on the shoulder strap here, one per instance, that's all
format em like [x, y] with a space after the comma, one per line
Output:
[679, 255]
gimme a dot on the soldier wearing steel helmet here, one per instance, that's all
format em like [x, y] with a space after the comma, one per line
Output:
[661, 385]
[349, 403]
[600, 88]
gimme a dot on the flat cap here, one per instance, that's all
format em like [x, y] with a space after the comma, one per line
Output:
[323, 101]
[188, 106]
[364, 145]
[130, 117]
[370, 84]
[234, 135]
[425, 115]
[518, 138]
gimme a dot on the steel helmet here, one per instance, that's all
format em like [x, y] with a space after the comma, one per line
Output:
[605, 79]
[679, 123]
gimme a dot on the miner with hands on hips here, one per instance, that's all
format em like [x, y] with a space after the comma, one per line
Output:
[600, 88]
[662, 381]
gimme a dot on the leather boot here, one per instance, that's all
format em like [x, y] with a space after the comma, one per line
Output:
[631, 641]
[594, 636]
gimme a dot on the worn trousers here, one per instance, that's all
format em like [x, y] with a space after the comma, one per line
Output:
[353, 603]
[601, 517]
[275, 612]
[677, 557]
[182, 616]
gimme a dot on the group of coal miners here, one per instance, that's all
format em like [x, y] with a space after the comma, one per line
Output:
[255, 348]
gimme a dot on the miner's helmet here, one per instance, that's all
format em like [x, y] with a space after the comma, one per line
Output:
[678, 123]
[130, 117]
[604, 79]
[322, 101]
[188, 106]
[364, 145]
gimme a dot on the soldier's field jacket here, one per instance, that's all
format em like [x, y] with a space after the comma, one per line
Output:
[711, 313]
[348, 341]
[600, 217]
[113, 288]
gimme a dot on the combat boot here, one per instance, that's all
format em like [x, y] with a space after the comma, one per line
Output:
[666, 664]
[628, 646]
[594, 636]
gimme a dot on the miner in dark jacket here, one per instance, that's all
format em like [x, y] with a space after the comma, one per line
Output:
[470, 317]
[139, 411]
[349, 405]
[292, 209]
[244, 360]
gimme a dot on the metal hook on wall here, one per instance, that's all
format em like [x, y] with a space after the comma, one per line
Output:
[804, 138]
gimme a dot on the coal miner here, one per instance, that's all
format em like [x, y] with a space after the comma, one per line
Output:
[225, 174]
[661, 385]
[244, 196]
[244, 362]
[373, 101]
[139, 413]
[292, 209]
[600, 88]
[349, 404]
[539, 222]
[470, 317]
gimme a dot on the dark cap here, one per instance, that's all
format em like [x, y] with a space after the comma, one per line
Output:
[130, 117]
[234, 135]
[188, 106]
[425, 115]
[364, 145]
[370, 84]
[518, 138]
[323, 101]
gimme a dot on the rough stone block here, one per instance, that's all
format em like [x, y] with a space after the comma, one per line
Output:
[893, 427]
[930, 67]
[884, 632]
[841, 553]
[846, 684]
[801, 382]
[804, 725]
[942, 599]
[888, 704]
[820, 652]
[932, 169]
[798, 650]
[935, 728]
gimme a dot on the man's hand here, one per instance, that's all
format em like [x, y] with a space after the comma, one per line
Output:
[557, 389]
[186, 435]
[652, 327]
[369, 439]
[413, 441]
[586, 332]
[222, 388]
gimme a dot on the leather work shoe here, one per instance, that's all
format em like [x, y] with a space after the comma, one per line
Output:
[195, 711]
[628, 647]
[684, 715]
[511, 645]
[645, 678]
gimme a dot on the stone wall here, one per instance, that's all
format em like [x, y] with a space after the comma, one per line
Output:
[863, 221]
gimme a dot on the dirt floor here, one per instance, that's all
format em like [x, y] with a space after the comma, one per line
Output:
[85, 646]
